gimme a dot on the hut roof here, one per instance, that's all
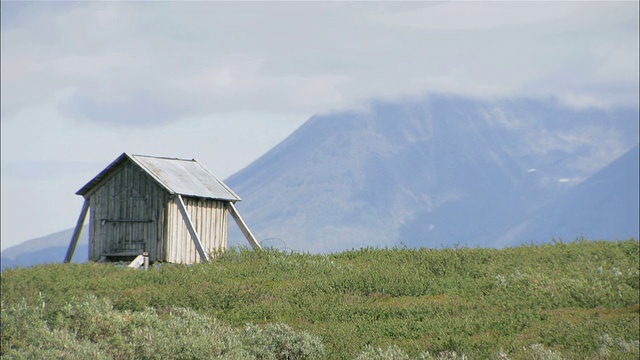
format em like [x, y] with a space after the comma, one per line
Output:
[177, 176]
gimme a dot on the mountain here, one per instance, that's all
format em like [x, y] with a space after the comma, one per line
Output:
[437, 171]
[605, 206]
[46, 249]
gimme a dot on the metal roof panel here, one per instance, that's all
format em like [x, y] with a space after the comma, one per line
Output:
[179, 176]
[186, 177]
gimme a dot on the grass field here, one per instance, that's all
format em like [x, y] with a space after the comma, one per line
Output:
[576, 300]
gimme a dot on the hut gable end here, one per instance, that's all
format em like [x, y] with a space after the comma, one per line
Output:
[126, 207]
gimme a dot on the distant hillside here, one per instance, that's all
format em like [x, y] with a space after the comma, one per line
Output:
[438, 171]
[605, 206]
[432, 172]
[46, 249]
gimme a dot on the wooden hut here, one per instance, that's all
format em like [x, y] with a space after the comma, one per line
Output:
[173, 210]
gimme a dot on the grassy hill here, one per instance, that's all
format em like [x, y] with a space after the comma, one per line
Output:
[576, 300]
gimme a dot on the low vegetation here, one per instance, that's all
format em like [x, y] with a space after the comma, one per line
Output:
[576, 300]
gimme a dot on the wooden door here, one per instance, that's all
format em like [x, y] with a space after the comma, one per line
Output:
[126, 224]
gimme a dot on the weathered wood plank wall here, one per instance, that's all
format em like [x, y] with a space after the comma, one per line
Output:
[127, 214]
[210, 220]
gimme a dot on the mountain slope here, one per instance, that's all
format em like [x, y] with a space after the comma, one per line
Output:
[432, 172]
[605, 206]
[435, 171]
[46, 249]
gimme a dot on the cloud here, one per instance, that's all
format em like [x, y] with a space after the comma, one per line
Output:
[152, 63]
[132, 108]
[45, 133]
[478, 16]
[225, 81]
[566, 49]
[47, 156]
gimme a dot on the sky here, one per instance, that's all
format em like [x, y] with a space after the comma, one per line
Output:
[223, 82]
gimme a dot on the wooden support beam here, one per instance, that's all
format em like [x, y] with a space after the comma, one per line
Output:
[137, 262]
[140, 260]
[243, 227]
[192, 230]
[77, 231]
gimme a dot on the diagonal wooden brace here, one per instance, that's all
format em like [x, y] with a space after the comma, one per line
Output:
[243, 227]
[192, 231]
[77, 231]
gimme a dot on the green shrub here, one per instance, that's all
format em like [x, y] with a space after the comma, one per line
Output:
[91, 328]
[434, 303]
[281, 342]
[392, 352]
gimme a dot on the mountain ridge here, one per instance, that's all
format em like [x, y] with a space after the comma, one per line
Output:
[438, 171]
[607, 191]
[387, 168]
[46, 249]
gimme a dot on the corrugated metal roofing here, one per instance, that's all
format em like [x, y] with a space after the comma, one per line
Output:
[178, 176]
